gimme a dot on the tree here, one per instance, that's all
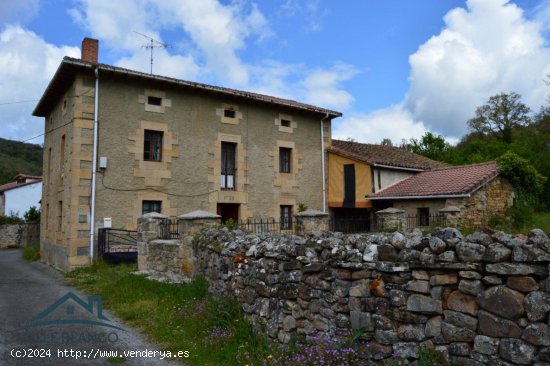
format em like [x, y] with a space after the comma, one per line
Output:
[500, 116]
[430, 145]
[386, 142]
[32, 215]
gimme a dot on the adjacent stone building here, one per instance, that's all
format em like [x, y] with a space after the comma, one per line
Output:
[169, 146]
[19, 196]
[474, 193]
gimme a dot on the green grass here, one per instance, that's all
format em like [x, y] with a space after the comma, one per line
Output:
[31, 252]
[176, 317]
[538, 220]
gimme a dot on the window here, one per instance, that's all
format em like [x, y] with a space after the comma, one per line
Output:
[286, 217]
[150, 206]
[59, 216]
[154, 100]
[229, 113]
[285, 123]
[227, 178]
[349, 185]
[152, 146]
[62, 160]
[423, 216]
[285, 155]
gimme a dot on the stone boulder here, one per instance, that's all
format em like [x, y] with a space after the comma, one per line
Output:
[517, 351]
[470, 252]
[502, 301]
[537, 304]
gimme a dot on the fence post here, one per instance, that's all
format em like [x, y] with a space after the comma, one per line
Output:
[451, 215]
[193, 222]
[148, 229]
[311, 221]
[392, 219]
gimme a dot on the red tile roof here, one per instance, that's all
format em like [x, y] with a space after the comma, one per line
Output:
[67, 69]
[383, 155]
[12, 185]
[457, 180]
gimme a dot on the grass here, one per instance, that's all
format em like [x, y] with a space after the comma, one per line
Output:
[538, 220]
[175, 317]
[31, 252]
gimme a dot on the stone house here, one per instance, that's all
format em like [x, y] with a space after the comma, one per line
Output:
[472, 194]
[356, 170]
[120, 143]
[18, 196]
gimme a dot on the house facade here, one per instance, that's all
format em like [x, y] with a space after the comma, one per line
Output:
[169, 146]
[19, 196]
[357, 170]
[472, 193]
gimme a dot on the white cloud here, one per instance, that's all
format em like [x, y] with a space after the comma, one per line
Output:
[395, 123]
[18, 11]
[485, 49]
[27, 63]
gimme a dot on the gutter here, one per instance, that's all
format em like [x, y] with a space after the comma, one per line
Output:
[94, 165]
[397, 167]
[323, 162]
[463, 195]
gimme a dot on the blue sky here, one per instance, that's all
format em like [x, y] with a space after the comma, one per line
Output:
[395, 69]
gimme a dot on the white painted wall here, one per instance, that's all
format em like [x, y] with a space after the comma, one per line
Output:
[389, 177]
[19, 200]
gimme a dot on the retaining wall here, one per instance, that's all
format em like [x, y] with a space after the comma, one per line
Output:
[19, 235]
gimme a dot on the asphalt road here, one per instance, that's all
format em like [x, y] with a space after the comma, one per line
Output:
[43, 317]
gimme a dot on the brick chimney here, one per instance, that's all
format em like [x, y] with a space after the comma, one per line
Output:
[90, 48]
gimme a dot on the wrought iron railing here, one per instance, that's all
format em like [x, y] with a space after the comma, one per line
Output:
[270, 225]
[169, 229]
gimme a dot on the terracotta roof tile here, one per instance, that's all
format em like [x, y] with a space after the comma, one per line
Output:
[383, 155]
[448, 181]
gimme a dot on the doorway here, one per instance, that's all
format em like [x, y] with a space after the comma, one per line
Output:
[228, 211]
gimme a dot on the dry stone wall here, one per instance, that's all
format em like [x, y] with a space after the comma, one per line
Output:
[19, 235]
[483, 299]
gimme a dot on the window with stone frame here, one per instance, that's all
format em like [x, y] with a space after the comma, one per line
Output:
[152, 145]
[286, 217]
[151, 206]
[285, 158]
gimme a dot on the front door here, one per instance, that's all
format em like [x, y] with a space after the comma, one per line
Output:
[229, 211]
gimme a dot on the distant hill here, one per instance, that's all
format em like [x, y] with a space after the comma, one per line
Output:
[19, 157]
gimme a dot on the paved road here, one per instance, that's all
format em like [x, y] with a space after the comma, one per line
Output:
[38, 312]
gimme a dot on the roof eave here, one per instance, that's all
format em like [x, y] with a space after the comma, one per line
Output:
[461, 195]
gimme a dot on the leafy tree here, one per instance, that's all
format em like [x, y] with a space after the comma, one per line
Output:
[430, 145]
[500, 116]
[32, 215]
[521, 174]
[386, 142]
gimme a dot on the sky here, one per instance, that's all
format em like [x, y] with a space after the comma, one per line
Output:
[395, 69]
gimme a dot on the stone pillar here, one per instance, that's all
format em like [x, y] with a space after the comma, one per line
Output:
[193, 222]
[312, 220]
[451, 216]
[391, 219]
[148, 229]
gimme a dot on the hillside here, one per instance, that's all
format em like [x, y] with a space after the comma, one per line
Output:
[19, 157]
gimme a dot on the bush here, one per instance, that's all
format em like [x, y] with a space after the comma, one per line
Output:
[11, 219]
[32, 215]
[31, 253]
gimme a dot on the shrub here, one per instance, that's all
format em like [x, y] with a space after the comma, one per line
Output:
[31, 253]
[32, 215]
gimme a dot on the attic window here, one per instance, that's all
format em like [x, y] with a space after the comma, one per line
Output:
[285, 123]
[154, 100]
[229, 113]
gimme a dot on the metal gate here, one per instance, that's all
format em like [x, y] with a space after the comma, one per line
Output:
[117, 245]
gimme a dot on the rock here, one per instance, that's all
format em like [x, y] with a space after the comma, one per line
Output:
[436, 292]
[495, 326]
[460, 349]
[502, 301]
[486, 345]
[433, 326]
[409, 255]
[517, 351]
[313, 267]
[471, 287]
[377, 351]
[502, 238]
[460, 319]
[449, 233]
[371, 253]
[511, 269]
[405, 349]
[387, 253]
[496, 252]
[470, 252]
[537, 305]
[418, 286]
[443, 279]
[424, 304]
[544, 354]
[361, 320]
[453, 333]
[377, 287]
[530, 253]
[420, 275]
[463, 303]
[437, 245]
[397, 298]
[470, 275]
[411, 332]
[382, 322]
[320, 323]
[289, 323]
[398, 240]
[360, 290]
[448, 257]
[492, 280]
[416, 242]
[522, 283]
[538, 237]
[537, 334]
[427, 257]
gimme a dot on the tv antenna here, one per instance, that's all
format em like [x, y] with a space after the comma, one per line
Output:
[153, 43]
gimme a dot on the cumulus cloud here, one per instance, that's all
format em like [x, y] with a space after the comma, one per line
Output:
[26, 66]
[395, 123]
[488, 48]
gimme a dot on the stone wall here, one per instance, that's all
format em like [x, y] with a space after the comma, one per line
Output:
[19, 235]
[480, 299]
